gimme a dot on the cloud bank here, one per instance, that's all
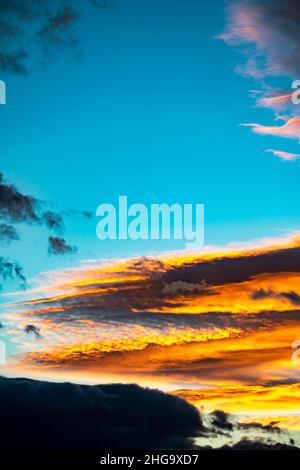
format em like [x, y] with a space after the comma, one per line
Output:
[44, 416]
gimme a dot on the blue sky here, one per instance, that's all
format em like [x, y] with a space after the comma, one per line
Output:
[148, 106]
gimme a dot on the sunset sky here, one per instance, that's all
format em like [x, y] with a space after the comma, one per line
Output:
[165, 102]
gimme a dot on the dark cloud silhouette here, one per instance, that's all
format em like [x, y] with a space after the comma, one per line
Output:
[224, 423]
[71, 212]
[290, 296]
[257, 444]
[261, 294]
[15, 206]
[87, 214]
[271, 428]
[237, 269]
[221, 420]
[11, 270]
[58, 246]
[28, 25]
[53, 220]
[32, 329]
[57, 31]
[63, 416]
[8, 233]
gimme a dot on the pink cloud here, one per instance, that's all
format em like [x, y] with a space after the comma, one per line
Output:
[276, 102]
[270, 31]
[289, 157]
[290, 130]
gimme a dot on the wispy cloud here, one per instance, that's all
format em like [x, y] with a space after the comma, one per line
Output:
[286, 156]
[46, 26]
[276, 102]
[268, 33]
[290, 130]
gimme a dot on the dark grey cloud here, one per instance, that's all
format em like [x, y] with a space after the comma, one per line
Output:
[15, 206]
[59, 246]
[220, 420]
[8, 233]
[270, 428]
[11, 271]
[230, 270]
[63, 416]
[290, 296]
[258, 444]
[28, 26]
[71, 212]
[267, 436]
[33, 329]
[53, 220]
[56, 31]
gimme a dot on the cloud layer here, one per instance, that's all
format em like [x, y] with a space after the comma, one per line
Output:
[217, 326]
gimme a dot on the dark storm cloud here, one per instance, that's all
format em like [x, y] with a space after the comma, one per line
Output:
[64, 416]
[59, 246]
[45, 26]
[32, 329]
[8, 233]
[290, 296]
